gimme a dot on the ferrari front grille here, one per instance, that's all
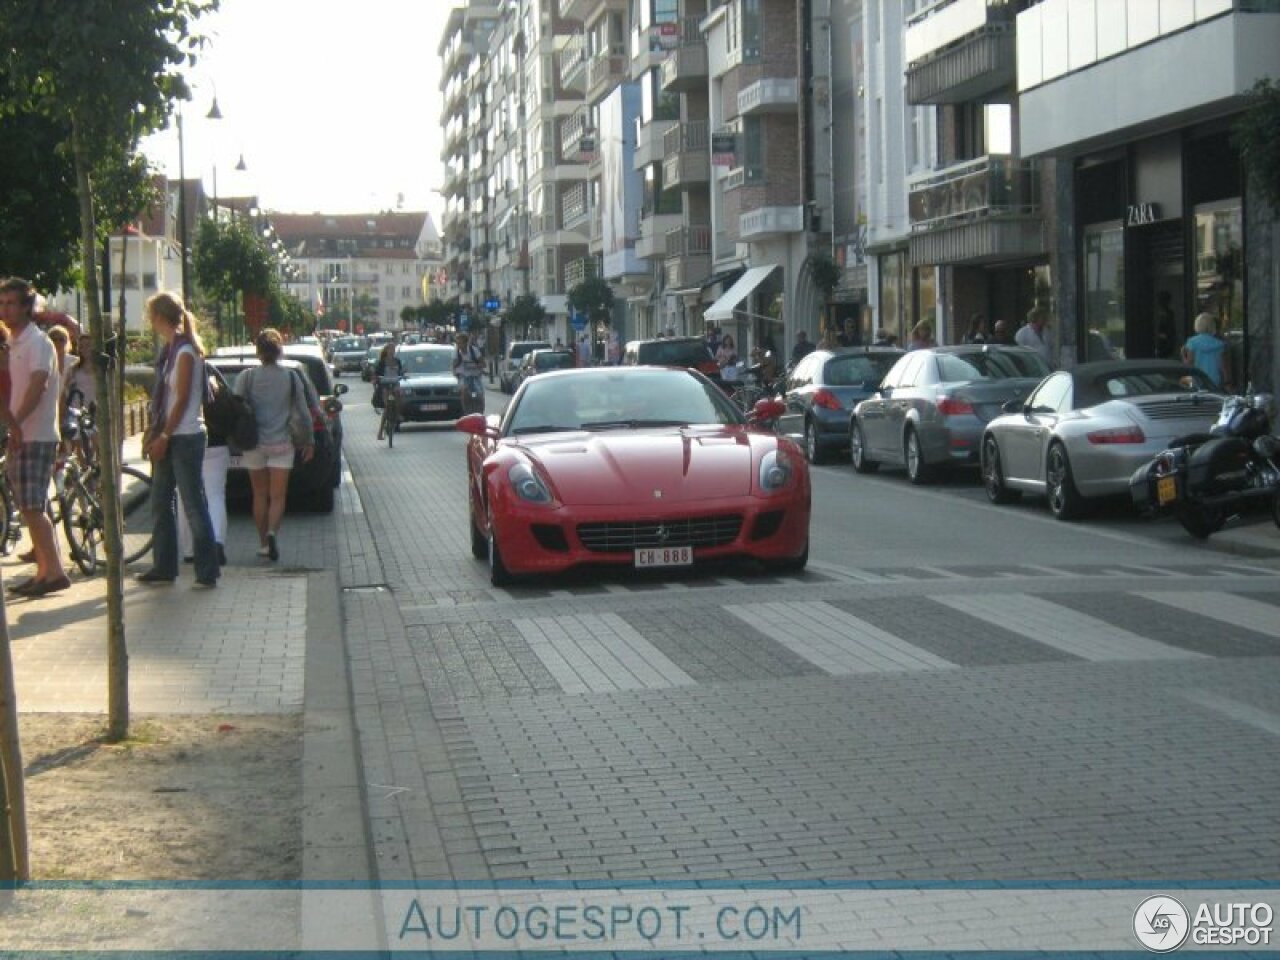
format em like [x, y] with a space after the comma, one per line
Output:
[623, 537]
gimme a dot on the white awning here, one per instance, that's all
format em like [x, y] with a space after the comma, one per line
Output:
[722, 310]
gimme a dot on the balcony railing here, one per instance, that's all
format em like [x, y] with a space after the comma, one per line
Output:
[686, 65]
[686, 138]
[989, 186]
[572, 131]
[769, 95]
[939, 26]
[607, 69]
[578, 271]
[573, 61]
[688, 242]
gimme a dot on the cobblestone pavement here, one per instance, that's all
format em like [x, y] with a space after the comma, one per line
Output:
[951, 691]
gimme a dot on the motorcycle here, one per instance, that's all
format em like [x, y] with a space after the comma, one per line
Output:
[1204, 479]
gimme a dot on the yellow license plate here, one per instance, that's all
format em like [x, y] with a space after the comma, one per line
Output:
[1166, 490]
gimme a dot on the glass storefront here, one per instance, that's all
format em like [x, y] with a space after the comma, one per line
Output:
[1219, 274]
[1103, 307]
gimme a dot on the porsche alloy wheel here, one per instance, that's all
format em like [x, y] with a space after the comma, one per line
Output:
[1065, 501]
[993, 474]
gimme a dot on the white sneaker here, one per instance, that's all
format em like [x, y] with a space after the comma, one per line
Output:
[264, 552]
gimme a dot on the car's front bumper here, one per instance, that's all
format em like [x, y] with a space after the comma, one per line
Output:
[537, 539]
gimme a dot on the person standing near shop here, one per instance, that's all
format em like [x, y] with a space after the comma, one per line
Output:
[1207, 352]
[32, 418]
[1035, 334]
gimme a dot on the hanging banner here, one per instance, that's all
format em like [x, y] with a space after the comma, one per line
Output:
[724, 149]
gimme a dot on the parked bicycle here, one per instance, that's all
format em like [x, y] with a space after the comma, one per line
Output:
[75, 502]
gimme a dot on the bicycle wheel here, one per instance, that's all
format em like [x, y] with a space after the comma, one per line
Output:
[10, 522]
[82, 523]
[135, 496]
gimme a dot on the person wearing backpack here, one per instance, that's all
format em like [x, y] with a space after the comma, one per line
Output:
[278, 398]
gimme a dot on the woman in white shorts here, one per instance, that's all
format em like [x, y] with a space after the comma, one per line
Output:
[273, 391]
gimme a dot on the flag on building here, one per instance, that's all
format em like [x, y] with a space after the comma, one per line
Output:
[319, 304]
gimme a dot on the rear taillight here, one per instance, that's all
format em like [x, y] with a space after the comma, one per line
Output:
[827, 400]
[709, 367]
[1117, 435]
[953, 406]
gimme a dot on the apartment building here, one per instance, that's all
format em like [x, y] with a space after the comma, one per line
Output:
[900, 144]
[365, 266]
[979, 217]
[1155, 222]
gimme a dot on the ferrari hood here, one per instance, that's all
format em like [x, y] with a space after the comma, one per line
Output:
[638, 467]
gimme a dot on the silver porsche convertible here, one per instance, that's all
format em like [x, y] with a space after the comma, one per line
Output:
[1081, 433]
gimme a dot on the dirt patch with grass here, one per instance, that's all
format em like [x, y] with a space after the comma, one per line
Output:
[184, 798]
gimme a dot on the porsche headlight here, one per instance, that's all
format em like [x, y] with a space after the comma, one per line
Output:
[528, 485]
[775, 470]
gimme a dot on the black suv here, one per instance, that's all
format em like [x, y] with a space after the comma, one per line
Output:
[310, 484]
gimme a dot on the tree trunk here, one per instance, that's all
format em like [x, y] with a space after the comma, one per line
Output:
[13, 811]
[117, 652]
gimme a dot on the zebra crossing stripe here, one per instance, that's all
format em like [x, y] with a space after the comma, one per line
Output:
[592, 653]
[1062, 628]
[835, 641]
[1229, 608]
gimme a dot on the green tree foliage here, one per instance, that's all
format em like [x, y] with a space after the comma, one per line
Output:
[1257, 135]
[105, 71]
[594, 298]
[825, 272]
[438, 313]
[231, 258]
[525, 313]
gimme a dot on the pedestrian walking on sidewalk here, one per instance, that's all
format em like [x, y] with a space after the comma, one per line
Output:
[175, 444]
[217, 460]
[276, 393]
[32, 418]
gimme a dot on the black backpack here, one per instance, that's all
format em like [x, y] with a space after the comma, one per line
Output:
[229, 415]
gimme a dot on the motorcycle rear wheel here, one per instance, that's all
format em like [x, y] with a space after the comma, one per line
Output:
[1201, 521]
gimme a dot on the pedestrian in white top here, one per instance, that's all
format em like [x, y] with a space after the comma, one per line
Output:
[1035, 335]
[175, 445]
[32, 419]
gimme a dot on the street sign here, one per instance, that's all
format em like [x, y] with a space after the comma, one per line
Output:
[464, 321]
[578, 321]
[493, 304]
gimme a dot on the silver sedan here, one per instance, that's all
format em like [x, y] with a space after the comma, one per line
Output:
[1083, 432]
[931, 408]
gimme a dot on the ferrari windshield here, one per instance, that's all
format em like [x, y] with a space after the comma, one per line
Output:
[614, 399]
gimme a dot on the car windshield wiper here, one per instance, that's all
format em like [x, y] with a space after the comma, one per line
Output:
[544, 428]
[633, 424]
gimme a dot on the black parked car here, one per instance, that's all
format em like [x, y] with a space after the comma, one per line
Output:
[691, 352]
[311, 485]
[823, 388]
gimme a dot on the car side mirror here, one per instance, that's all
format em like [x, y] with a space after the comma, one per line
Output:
[1014, 406]
[339, 389]
[478, 425]
[885, 391]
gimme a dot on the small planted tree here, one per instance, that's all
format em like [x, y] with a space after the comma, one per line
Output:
[593, 298]
[1257, 136]
[526, 315]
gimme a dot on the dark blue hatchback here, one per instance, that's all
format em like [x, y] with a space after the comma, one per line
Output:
[823, 388]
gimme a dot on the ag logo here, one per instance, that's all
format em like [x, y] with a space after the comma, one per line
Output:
[1161, 923]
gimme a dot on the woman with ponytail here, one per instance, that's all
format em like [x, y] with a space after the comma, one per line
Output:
[175, 444]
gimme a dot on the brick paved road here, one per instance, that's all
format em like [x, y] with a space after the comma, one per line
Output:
[951, 691]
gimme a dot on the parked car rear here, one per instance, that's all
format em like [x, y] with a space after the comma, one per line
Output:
[822, 389]
[311, 485]
[347, 354]
[516, 352]
[691, 352]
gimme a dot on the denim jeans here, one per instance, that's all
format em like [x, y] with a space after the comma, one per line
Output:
[182, 470]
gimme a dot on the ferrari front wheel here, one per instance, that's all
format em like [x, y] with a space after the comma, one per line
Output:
[499, 575]
[792, 564]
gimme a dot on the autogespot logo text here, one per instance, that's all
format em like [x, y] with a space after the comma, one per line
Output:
[1161, 923]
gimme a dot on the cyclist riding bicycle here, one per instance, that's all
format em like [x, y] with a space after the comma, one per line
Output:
[388, 367]
[468, 367]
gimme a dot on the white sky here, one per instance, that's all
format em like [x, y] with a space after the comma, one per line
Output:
[334, 105]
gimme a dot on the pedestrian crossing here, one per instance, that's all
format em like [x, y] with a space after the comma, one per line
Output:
[816, 574]
[600, 653]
